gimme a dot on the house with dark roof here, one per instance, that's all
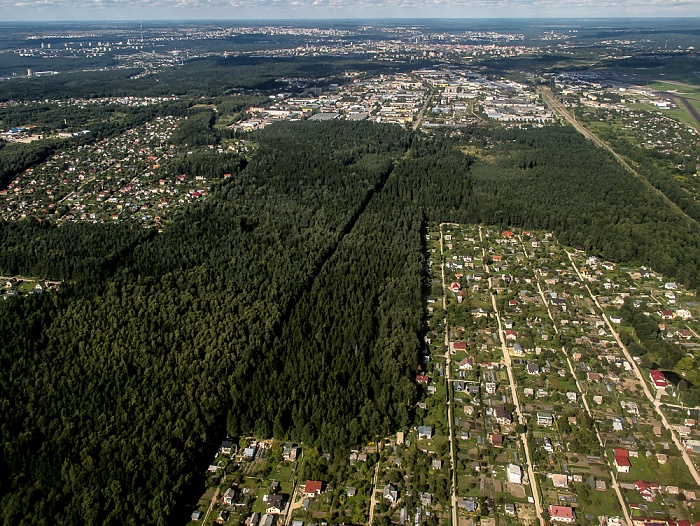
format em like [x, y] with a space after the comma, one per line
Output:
[275, 503]
[503, 417]
[390, 493]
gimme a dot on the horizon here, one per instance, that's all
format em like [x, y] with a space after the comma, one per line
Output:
[33, 11]
[356, 18]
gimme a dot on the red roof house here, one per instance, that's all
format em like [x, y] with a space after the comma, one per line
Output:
[658, 379]
[647, 489]
[622, 463]
[313, 488]
[562, 513]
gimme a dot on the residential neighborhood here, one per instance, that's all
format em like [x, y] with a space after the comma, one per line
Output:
[546, 421]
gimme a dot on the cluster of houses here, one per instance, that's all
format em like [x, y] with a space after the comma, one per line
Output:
[122, 177]
[11, 287]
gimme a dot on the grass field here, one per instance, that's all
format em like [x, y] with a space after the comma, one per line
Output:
[677, 88]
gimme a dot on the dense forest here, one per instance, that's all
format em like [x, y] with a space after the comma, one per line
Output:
[211, 76]
[288, 303]
[113, 394]
[552, 178]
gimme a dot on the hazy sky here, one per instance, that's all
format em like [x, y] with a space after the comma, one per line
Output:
[281, 9]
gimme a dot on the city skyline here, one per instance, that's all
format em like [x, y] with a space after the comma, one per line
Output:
[97, 10]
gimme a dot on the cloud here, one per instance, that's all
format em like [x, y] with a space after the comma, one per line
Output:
[237, 9]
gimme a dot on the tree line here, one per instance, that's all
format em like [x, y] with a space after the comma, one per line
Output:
[287, 304]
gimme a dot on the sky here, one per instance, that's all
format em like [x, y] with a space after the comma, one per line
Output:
[40, 10]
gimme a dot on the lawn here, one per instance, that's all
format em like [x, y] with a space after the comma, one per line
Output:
[672, 87]
[599, 502]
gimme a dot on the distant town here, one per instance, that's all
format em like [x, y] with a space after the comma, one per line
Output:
[550, 384]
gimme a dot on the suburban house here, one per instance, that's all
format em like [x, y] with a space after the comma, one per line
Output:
[275, 503]
[622, 461]
[693, 446]
[496, 439]
[229, 496]
[559, 302]
[470, 505]
[290, 451]
[467, 364]
[313, 488]
[425, 432]
[647, 489]
[562, 513]
[658, 379]
[503, 417]
[665, 314]
[560, 481]
[533, 368]
[391, 493]
[225, 447]
[515, 474]
[459, 346]
[480, 313]
[544, 419]
[511, 335]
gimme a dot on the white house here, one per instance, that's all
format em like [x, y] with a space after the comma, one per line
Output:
[515, 474]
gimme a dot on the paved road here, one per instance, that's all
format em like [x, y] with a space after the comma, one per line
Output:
[655, 402]
[676, 83]
[690, 107]
[420, 116]
[563, 113]
[514, 394]
[448, 373]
